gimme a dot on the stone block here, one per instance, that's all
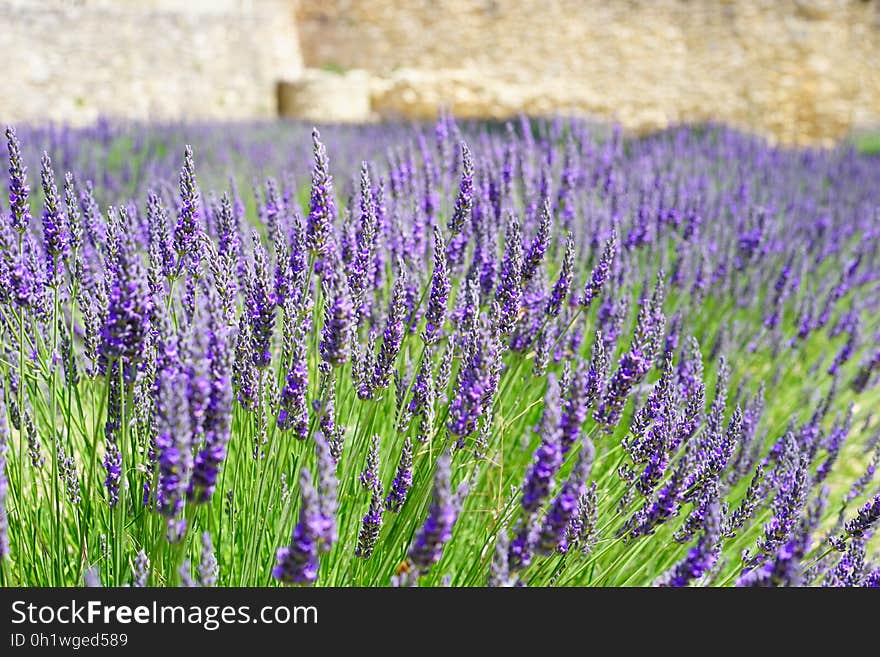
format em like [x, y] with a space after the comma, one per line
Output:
[326, 96]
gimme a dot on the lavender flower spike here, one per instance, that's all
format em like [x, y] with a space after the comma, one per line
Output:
[129, 304]
[475, 383]
[209, 569]
[369, 477]
[338, 325]
[18, 187]
[113, 466]
[370, 525]
[560, 290]
[439, 297]
[217, 415]
[867, 517]
[548, 457]
[601, 271]
[464, 202]
[783, 569]
[55, 238]
[534, 256]
[298, 562]
[553, 531]
[699, 558]
[500, 574]
[427, 548]
[392, 335]
[402, 483]
[509, 292]
[186, 235]
[92, 578]
[173, 444]
[294, 411]
[322, 204]
[581, 395]
[260, 303]
[328, 486]
[363, 264]
[141, 570]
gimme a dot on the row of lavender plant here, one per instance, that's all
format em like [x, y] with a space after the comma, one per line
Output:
[537, 355]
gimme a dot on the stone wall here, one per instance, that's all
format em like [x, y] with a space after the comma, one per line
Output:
[797, 70]
[75, 60]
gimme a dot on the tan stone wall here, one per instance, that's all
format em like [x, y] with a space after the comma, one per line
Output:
[799, 70]
[74, 60]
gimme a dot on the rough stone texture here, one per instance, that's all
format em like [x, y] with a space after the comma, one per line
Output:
[801, 71]
[797, 70]
[75, 60]
[327, 97]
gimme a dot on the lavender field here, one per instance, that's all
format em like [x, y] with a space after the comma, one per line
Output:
[462, 354]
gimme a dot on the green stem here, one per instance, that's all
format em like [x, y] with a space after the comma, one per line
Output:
[57, 530]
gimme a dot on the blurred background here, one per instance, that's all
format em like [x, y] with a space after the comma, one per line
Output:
[795, 71]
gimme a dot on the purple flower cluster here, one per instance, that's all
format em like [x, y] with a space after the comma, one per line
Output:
[129, 305]
[20, 213]
[315, 533]
[699, 558]
[322, 205]
[650, 344]
[403, 480]
[435, 316]
[427, 547]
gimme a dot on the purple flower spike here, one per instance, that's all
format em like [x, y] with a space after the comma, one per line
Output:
[792, 488]
[298, 562]
[700, 558]
[509, 292]
[369, 476]
[141, 570]
[338, 325]
[575, 407]
[392, 335]
[548, 457]
[534, 257]
[866, 372]
[371, 525]
[782, 569]
[217, 415]
[464, 202]
[173, 444]
[601, 272]
[867, 517]
[328, 486]
[129, 304]
[435, 316]
[294, 411]
[427, 548]
[18, 187]
[402, 483]
[113, 468]
[260, 303]
[559, 516]
[561, 288]
[56, 241]
[186, 235]
[477, 379]
[322, 204]
[636, 362]
[361, 271]
[209, 569]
